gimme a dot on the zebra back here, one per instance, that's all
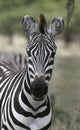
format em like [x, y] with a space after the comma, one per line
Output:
[18, 60]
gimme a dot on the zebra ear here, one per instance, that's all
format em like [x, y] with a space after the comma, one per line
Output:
[28, 24]
[56, 26]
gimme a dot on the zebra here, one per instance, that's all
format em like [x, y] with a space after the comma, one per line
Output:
[18, 60]
[24, 100]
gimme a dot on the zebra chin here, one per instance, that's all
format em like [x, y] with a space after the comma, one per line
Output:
[39, 89]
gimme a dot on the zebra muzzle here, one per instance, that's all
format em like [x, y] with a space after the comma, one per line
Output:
[39, 89]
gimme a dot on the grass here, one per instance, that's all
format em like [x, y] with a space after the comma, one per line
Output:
[66, 80]
[65, 86]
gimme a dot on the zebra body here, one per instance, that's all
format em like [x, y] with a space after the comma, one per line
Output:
[24, 102]
[28, 112]
[18, 60]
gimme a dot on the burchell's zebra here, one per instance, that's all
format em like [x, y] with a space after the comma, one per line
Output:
[18, 60]
[24, 103]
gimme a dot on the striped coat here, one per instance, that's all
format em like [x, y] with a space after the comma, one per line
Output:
[19, 111]
[24, 101]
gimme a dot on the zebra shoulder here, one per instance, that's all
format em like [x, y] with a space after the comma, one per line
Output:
[6, 67]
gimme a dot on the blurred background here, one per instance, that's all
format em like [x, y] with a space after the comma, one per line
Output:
[65, 83]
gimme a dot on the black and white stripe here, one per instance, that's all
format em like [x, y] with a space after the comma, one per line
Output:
[24, 103]
[41, 56]
[18, 60]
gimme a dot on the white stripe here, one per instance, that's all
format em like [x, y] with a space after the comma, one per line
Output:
[3, 68]
[49, 67]
[1, 78]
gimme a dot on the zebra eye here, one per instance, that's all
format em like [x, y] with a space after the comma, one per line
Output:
[52, 54]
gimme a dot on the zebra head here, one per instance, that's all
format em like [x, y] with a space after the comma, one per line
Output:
[41, 50]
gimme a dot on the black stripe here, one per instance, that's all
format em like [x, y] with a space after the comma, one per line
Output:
[4, 93]
[26, 87]
[7, 115]
[4, 127]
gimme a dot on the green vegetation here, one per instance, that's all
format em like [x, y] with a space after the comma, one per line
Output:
[12, 12]
[66, 99]
[66, 78]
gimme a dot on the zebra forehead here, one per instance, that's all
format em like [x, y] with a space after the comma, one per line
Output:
[42, 41]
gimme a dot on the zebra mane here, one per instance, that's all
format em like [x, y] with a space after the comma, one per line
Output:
[42, 24]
